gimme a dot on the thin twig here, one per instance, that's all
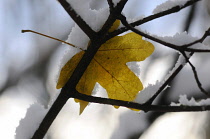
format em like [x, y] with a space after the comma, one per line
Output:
[170, 78]
[146, 108]
[177, 71]
[195, 75]
[197, 50]
[176, 47]
[23, 31]
[97, 40]
[206, 34]
[125, 23]
[154, 16]
[186, 46]
[167, 44]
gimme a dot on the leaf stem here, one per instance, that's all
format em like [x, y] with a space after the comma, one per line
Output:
[24, 31]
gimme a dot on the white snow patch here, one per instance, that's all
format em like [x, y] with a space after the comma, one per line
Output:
[30, 123]
[78, 38]
[115, 2]
[181, 61]
[66, 52]
[99, 91]
[148, 92]
[131, 20]
[94, 18]
[168, 5]
[182, 39]
[192, 102]
[151, 89]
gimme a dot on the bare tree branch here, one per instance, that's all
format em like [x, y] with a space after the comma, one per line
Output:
[197, 50]
[167, 44]
[125, 23]
[196, 75]
[206, 34]
[114, 12]
[111, 5]
[123, 20]
[97, 39]
[155, 16]
[77, 18]
[50, 116]
[146, 108]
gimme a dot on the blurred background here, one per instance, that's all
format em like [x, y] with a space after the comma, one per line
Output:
[29, 65]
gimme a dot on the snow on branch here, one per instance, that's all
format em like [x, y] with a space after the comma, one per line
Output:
[25, 130]
[144, 107]
[183, 47]
[168, 5]
[98, 34]
[154, 16]
[77, 18]
[183, 101]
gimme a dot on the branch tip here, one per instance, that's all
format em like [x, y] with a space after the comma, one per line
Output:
[23, 31]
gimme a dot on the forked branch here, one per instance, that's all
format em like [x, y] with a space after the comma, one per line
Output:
[144, 107]
[154, 16]
[97, 39]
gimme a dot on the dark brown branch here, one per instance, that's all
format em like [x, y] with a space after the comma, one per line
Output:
[77, 18]
[97, 39]
[125, 23]
[114, 12]
[121, 5]
[176, 47]
[197, 50]
[167, 82]
[155, 16]
[146, 108]
[170, 78]
[206, 34]
[67, 90]
[111, 5]
[167, 44]
[186, 46]
[196, 75]
[173, 75]
[50, 116]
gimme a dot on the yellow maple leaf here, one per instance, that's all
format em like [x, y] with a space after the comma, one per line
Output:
[109, 69]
